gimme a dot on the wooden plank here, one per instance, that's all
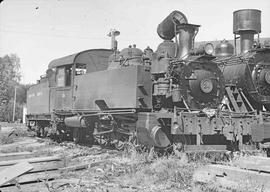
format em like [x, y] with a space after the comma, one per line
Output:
[22, 145]
[15, 156]
[11, 173]
[230, 178]
[203, 148]
[19, 143]
[56, 184]
[31, 160]
[75, 167]
[83, 166]
[31, 187]
[43, 166]
[35, 177]
[254, 163]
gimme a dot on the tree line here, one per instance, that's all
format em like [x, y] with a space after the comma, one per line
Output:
[10, 77]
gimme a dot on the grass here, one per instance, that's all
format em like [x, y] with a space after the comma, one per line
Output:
[164, 173]
[14, 131]
[135, 171]
[128, 170]
[145, 171]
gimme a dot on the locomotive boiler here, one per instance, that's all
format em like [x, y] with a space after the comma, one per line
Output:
[184, 77]
[160, 98]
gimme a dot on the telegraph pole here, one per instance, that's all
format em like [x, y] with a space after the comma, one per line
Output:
[14, 104]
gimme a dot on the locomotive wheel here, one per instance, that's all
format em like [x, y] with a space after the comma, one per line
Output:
[103, 140]
[59, 136]
[119, 145]
[40, 131]
[77, 135]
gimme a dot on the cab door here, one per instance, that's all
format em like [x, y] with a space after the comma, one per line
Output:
[61, 94]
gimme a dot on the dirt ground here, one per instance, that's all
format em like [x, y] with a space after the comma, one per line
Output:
[108, 170]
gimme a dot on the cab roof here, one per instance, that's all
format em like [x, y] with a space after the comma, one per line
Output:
[91, 56]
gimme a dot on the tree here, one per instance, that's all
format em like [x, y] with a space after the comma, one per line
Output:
[9, 78]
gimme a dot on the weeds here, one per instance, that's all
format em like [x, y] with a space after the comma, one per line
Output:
[14, 132]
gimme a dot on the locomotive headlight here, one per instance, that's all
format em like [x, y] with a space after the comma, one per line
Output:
[206, 85]
[209, 48]
[267, 77]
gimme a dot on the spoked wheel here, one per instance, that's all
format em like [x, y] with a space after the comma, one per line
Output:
[103, 140]
[119, 145]
[120, 140]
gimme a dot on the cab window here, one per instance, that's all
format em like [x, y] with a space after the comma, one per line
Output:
[80, 69]
[63, 77]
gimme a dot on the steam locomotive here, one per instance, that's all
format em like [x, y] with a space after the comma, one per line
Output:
[249, 71]
[170, 96]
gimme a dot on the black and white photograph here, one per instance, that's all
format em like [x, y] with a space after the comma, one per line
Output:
[134, 96]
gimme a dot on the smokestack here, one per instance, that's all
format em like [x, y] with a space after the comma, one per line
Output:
[166, 29]
[187, 33]
[246, 23]
[176, 24]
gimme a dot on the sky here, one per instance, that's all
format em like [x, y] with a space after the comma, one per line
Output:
[39, 31]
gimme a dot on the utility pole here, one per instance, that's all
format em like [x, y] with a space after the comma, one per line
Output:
[14, 104]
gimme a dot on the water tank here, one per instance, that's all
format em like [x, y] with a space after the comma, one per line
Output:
[166, 29]
[224, 49]
[246, 20]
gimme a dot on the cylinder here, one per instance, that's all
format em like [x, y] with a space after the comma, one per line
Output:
[159, 137]
[166, 29]
[75, 121]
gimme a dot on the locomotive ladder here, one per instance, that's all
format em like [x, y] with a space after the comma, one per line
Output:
[237, 99]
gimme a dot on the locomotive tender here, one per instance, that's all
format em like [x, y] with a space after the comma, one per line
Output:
[155, 98]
